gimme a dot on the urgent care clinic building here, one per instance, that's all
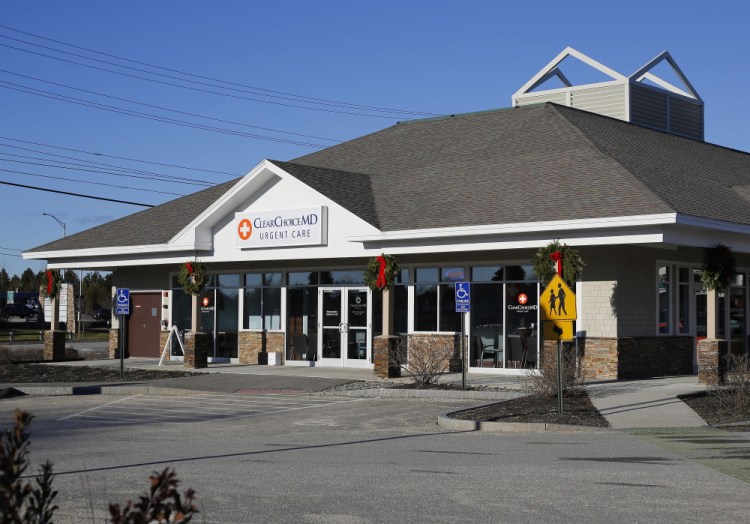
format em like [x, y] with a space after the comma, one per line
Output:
[618, 170]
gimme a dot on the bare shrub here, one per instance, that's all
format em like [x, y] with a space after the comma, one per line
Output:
[543, 381]
[425, 359]
[732, 395]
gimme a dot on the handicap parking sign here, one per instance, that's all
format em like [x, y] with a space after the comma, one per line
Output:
[463, 297]
[122, 301]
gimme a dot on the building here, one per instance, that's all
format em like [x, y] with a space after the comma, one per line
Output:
[619, 170]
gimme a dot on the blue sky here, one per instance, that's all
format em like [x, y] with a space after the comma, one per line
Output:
[421, 56]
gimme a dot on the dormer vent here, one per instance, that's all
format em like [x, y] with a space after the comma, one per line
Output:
[642, 98]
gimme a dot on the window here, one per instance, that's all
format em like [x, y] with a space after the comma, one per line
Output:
[434, 299]
[664, 324]
[262, 306]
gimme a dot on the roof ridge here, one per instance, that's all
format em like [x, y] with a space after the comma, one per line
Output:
[556, 108]
[311, 166]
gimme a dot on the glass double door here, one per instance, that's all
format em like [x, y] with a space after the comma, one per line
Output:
[345, 327]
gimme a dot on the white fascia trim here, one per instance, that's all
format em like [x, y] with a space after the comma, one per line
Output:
[238, 188]
[521, 227]
[712, 224]
[568, 51]
[116, 250]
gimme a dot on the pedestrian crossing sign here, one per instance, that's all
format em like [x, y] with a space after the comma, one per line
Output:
[558, 302]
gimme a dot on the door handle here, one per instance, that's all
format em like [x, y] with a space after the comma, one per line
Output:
[343, 327]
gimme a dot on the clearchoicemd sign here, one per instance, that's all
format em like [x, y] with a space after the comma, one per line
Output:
[290, 227]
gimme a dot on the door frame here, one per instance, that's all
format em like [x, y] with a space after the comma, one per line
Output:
[345, 329]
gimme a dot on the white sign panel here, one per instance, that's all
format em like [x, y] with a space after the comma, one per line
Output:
[290, 227]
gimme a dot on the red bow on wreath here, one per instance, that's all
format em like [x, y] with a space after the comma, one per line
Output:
[50, 282]
[557, 257]
[189, 267]
[381, 283]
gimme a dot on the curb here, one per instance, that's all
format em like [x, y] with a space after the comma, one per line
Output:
[447, 422]
[100, 390]
[428, 393]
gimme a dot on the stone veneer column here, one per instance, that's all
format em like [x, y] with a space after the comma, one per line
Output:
[385, 347]
[54, 345]
[114, 337]
[250, 346]
[196, 350]
[712, 360]
[599, 357]
[163, 336]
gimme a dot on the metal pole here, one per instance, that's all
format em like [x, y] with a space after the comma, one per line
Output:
[463, 351]
[559, 379]
[122, 346]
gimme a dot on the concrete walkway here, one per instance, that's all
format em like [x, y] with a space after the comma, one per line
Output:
[649, 403]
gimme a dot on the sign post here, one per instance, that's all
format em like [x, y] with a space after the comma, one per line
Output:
[558, 311]
[122, 308]
[463, 306]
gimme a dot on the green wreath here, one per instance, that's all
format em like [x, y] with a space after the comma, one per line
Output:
[381, 272]
[51, 288]
[719, 267]
[193, 277]
[546, 258]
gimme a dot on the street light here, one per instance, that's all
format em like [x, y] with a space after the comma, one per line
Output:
[65, 230]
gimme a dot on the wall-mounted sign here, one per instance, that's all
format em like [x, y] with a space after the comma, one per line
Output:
[291, 227]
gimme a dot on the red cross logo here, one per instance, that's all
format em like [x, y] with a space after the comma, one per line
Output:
[522, 298]
[244, 229]
[206, 302]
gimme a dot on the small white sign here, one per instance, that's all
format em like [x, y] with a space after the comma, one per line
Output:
[291, 227]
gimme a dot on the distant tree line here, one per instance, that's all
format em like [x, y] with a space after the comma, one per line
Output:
[94, 290]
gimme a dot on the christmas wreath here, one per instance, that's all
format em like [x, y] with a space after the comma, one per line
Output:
[51, 288]
[719, 268]
[556, 258]
[381, 272]
[193, 277]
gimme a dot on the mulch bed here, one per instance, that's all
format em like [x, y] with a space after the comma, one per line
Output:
[577, 410]
[706, 407]
[28, 373]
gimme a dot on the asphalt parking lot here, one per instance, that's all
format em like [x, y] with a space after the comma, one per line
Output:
[303, 458]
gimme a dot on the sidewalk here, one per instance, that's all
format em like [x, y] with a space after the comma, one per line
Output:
[649, 403]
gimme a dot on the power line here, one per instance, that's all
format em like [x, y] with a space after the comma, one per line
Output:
[172, 84]
[78, 180]
[41, 144]
[162, 108]
[84, 167]
[10, 248]
[275, 93]
[75, 194]
[147, 116]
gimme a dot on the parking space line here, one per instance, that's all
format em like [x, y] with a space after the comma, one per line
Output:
[195, 409]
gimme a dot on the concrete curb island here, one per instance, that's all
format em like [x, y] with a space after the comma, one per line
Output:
[447, 422]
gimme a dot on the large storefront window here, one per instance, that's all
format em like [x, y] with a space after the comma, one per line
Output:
[262, 306]
[302, 316]
[487, 341]
[434, 299]
[664, 301]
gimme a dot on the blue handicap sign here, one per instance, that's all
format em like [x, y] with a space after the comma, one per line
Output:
[463, 297]
[122, 301]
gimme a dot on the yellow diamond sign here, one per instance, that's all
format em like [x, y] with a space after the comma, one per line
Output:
[557, 302]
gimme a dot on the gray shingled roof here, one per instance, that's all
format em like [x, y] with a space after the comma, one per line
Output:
[529, 164]
[156, 225]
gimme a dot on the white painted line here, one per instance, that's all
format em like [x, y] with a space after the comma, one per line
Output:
[97, 407]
